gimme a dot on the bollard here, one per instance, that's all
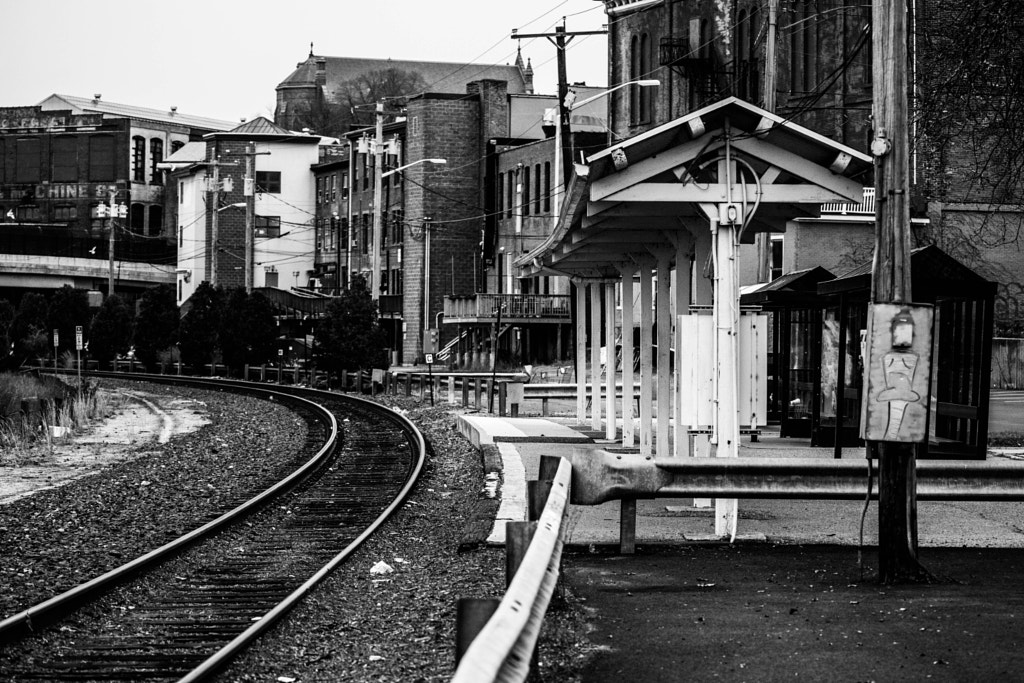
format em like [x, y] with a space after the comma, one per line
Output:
[502, 395]
[245, 372]
[471, 615]
[478, 391]
[179, 367]
[344, 380]
[465, 392]
[451, 390]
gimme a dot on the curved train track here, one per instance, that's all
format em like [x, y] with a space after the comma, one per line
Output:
[183, 611]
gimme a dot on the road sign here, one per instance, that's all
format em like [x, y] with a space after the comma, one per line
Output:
[430, 359]
[78, 338]
[56, 337]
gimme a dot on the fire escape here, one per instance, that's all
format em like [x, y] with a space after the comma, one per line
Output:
[709, 78]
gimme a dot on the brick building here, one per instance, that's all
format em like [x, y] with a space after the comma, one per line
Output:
[61, 159]
[703, 51]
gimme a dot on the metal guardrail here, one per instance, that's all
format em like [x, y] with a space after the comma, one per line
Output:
[503, 649]
[600, 476]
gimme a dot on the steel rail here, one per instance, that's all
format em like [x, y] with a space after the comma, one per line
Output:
[16, 625]
[223, 656]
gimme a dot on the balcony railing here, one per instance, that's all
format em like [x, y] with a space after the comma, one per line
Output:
[865, 207]
[544, 306]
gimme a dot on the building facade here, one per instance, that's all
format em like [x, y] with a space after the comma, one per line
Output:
[63, 158]
[211, 243]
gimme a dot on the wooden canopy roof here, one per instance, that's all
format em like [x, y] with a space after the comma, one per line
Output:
[641, 196]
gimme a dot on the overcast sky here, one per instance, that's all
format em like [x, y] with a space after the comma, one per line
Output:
[223, 58]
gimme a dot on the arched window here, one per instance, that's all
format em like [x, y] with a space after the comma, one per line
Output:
[156, 220]
[139, 159]
[646, 95]
[137, 218]
[634, 74]
[156, 156]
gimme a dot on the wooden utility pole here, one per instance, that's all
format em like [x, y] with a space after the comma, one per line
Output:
[249, 191]
[897, 495]
[215, 223]
[764, 239]
[378, 201]
[561, 39]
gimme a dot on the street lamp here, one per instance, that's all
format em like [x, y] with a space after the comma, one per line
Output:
[378, 216]
[570, 104]
[415, 163]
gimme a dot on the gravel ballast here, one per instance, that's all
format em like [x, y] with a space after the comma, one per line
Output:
[357, 626]
[56, 538]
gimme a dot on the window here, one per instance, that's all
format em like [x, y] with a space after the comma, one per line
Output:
[776, 264]
[803, 44]
[398, 227]
[344, 186]
[181, 237]
[364, 239]
[511, 194]
[137, 218]
[319, 190]
[179, 289]
[64, 159]
[525, 205]
[101, 158]
[176, 145]
[501, 195]
[547, 186]
[634, 74]
[156, 156]
[343, 227]
[333, 231]
[536, 189]
[333, 193]
[646, 95]
[268, 181]
[67, 212]
[156, 219]
[26, 160]
[181, 192]
[268, 226]
[366, 174]
[139, 159]
[270, 278]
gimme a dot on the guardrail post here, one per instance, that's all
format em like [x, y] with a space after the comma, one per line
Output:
[627, 526]
[478, 392]
[465, 392]
[451, 390]
[517, 540]
[536, 498]
[471, 615]
[502, 397]
[408, 384]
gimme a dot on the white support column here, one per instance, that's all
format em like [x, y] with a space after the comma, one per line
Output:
[628, 352]
[664, 374]
[726, 314]
[581, 351]
[646, 369]
[609, 374]
[683, 271]
[595, 356]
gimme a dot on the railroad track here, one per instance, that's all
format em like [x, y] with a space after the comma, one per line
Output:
[186, 613]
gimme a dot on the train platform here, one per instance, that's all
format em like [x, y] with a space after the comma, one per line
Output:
[793, 598]
[520, 443]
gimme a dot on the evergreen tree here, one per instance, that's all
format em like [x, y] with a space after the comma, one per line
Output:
[28, 329]
[233, 334]
[111, 331]
[261, 330]
[6, 319]
[200, 327]
[350, 337]
[156, 327]
[68, 309]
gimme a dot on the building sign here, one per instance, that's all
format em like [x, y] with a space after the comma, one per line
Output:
[58, 191]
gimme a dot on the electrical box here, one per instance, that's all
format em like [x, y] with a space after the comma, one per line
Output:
[897, 373]
[430, 337]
